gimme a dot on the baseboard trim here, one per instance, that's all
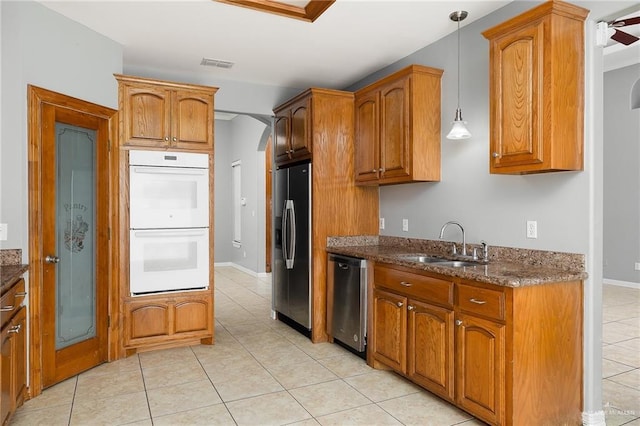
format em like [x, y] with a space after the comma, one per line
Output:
[593, 418]
[243, 269]
[628, 284]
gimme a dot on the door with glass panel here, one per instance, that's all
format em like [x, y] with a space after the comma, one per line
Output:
[74, 242]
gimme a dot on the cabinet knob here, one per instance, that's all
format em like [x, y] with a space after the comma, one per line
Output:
[410, 308]
[495, 155]
[458, 322]
[166, 138]
[400, 304]
[381, 169]
[175, 139]
[374, 171]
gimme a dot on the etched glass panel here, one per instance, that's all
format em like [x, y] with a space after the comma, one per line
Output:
[75, 235]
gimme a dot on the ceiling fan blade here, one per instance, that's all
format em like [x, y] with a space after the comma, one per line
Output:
[625, 22]
[624, 38]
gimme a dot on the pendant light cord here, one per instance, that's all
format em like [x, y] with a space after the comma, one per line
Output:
[458, 62]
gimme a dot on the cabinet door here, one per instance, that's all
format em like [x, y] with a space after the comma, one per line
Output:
[394, 129]
[480, 366]
[5, 368]
[390, 329]
[301, 129]
[367, 148]
[19, 357]
[192, 120]
[146, 320]
[517, 98]
[193, 315]
[281, 143]
[146, 115]
[430, 348]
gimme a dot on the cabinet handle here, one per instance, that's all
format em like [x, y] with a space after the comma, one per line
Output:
[458, 322]
[7, 308]
[15, 329]
[477, 302]
[405, 284]
[21, 294]
[400, 304]
[410, 308]
[495, 155]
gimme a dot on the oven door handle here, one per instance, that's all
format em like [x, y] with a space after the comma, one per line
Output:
[161, 233]
[170, 171]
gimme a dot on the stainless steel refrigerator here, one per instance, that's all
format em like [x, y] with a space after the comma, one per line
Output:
[292, 246]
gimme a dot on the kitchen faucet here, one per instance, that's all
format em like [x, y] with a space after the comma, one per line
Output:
[464, 240]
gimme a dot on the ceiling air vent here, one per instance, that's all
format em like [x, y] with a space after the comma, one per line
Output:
[216, 63]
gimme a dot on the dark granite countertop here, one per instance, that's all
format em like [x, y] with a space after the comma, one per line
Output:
[508, 267]
[9, 273]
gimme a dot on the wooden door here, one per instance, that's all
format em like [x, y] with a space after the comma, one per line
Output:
[192, 120]
[394, 129]
[430, 348]
[517, 97]
[301, 128]
[480, 368]
[75, 232]
[146, 116]
[19, 357]
[390, 329]
[5, 370]
[367, 138]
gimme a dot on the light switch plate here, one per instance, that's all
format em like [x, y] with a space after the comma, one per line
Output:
[405, 225]
[532, 229]
[382, 223]
[3, 231]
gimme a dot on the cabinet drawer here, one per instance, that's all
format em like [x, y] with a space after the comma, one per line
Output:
[11, 301]
[481, 301]
[429, 289]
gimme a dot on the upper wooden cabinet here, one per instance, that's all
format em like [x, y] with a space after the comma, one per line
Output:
[161, 114]
[293, 130]
[537, 90]
[397, 123]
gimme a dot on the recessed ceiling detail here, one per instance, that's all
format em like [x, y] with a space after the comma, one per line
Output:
[304, 10]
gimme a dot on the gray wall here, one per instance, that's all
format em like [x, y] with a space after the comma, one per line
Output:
[43, 48]
[494, 208]
[621, 176]
[238, 139]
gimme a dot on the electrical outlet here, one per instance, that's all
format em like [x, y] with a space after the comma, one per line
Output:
[244, 254]
[532, 229]
[3, 231]
[405, 225]
[637, 266]
[382, 223]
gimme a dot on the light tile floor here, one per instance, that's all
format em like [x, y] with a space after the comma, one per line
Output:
[261, 372]
[621, 355]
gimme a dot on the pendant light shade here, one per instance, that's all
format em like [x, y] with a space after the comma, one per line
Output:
[459, 129]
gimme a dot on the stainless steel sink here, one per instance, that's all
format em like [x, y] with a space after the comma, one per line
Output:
[422, 258]
[458, 263]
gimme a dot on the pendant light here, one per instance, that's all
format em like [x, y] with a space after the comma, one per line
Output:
[459, 128]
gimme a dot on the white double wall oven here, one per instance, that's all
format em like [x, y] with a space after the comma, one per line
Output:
[169, 221]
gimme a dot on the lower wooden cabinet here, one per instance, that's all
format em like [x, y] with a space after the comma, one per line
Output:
[508, 356]
[153, 320]
[13, 362]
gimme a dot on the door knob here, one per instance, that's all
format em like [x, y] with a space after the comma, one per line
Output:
[52, 259]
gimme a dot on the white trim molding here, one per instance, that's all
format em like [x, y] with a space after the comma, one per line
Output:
[629, 284]
[593, 418]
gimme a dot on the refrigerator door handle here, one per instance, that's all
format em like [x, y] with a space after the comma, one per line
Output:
[288, 230]
[293, 234]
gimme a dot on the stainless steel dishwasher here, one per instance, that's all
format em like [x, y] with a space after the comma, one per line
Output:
[348, 300]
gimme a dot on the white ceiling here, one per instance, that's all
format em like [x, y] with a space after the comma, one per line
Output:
[350, 40]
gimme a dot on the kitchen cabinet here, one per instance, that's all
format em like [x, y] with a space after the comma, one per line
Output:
[13, 350]
[150, 320]
[397, 127]
[504, 354]
[161, 114]
[413, 327]
[293, 139]
[536, 84]
[338, 206]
